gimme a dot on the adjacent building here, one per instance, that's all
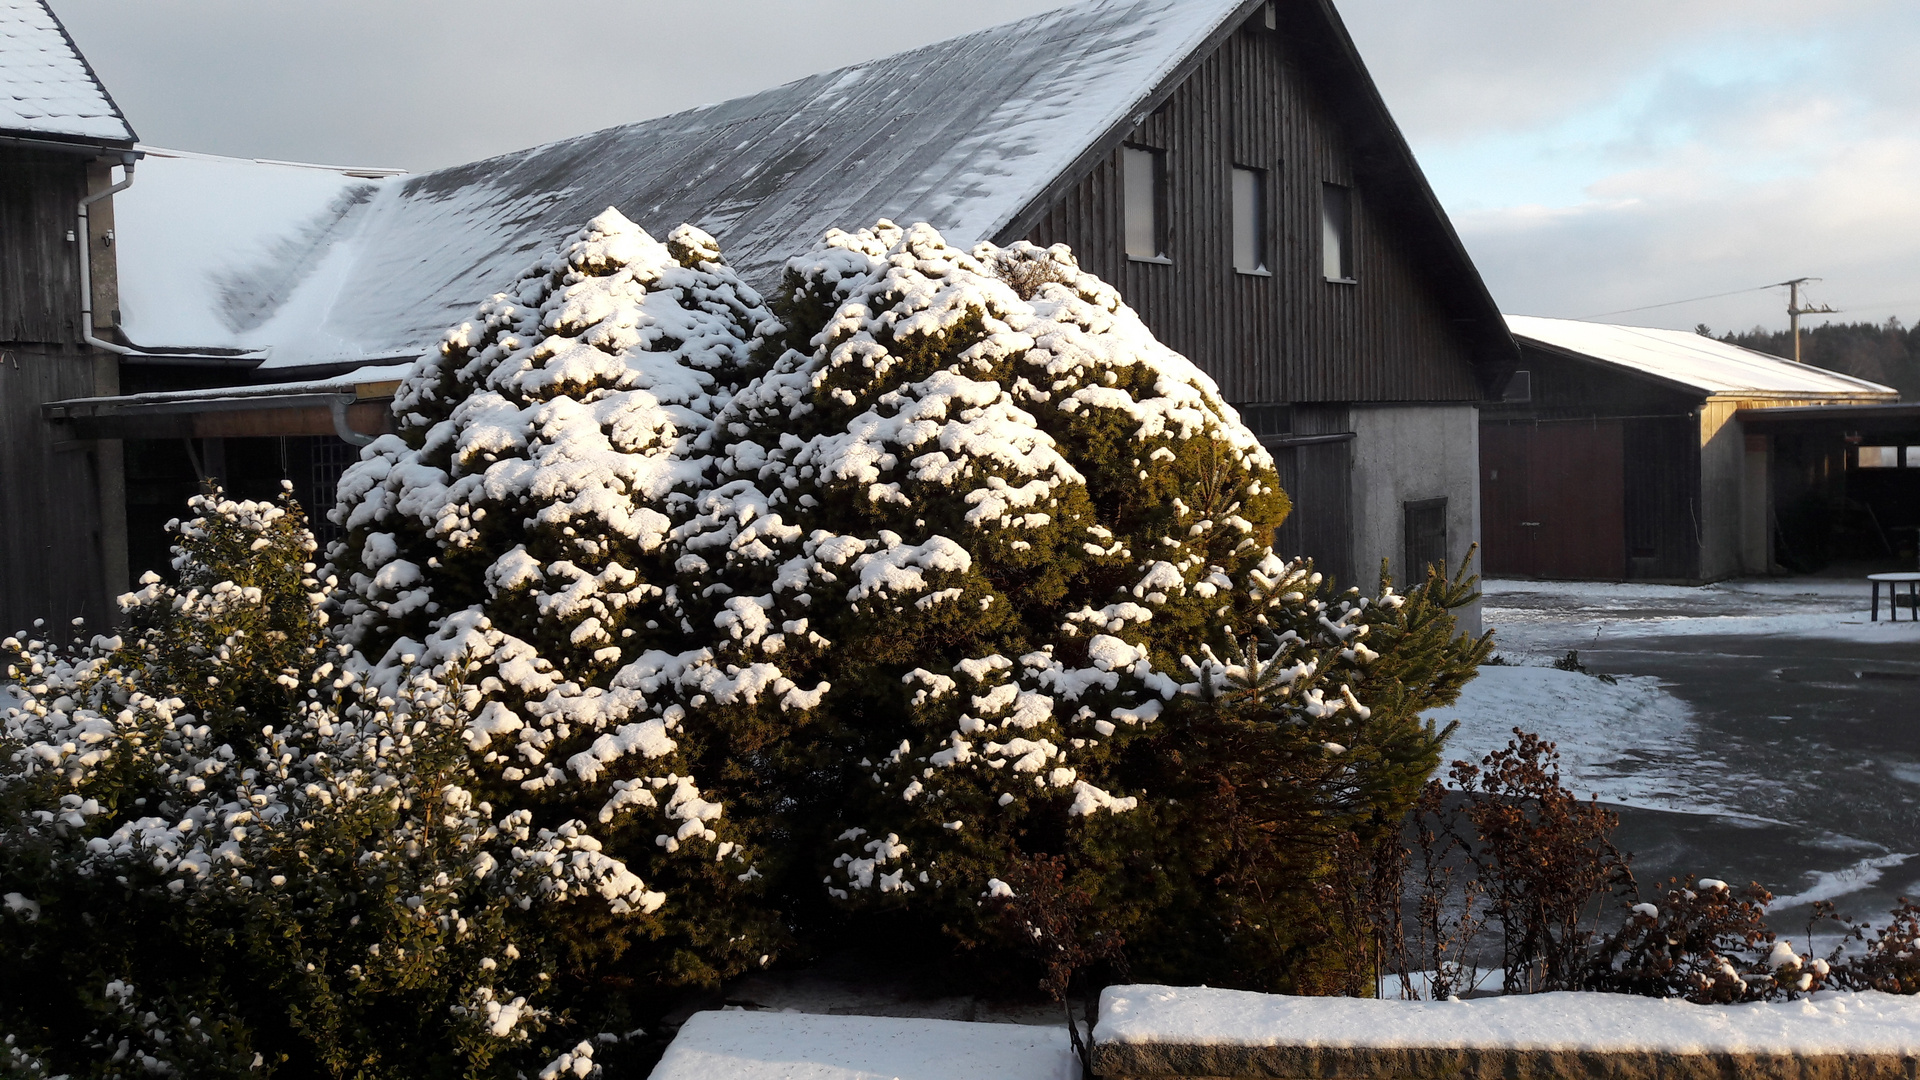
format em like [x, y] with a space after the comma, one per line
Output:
[1228, 164]
[1627, 453]
[62, 140]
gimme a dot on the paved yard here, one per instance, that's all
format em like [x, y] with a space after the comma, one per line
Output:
[1758, 731]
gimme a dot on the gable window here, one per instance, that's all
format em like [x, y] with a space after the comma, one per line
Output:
[1426, 536]
[1249, 220]
[1336, 231]
[1143, 183]
[1519, 388]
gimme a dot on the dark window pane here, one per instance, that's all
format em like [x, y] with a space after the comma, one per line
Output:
[1249, 222]
[1141, 182]
[1336, 232]
[1426, 531]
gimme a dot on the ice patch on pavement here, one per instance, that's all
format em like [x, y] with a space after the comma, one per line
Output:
[1629, 742]
[1832, 884]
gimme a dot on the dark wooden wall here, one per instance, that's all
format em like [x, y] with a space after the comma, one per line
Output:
[53, 545]
[1566, 387]
[1292, 336]
[51, 539]
[1653, 531]
[39, 270]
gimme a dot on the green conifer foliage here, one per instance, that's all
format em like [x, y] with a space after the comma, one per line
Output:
[222, 854]
[520, 521]
[990, 515]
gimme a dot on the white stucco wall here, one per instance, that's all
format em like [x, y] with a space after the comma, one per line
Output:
[1405, 453]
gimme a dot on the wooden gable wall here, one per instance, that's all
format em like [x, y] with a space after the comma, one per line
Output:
[39, 265]
[1293, 336]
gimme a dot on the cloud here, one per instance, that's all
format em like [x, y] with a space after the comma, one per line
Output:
[1599, 157]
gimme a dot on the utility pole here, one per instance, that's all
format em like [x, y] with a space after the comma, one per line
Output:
[1794, 310]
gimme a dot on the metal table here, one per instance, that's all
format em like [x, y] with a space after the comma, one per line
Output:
[1893, 583]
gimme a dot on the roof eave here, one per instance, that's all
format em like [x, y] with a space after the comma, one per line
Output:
[1098, 150]
[1704, 393]
[63, 142]
[132, 136]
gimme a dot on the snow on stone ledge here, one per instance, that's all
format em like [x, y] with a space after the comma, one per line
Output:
[1825, 1023]
[802, 1046]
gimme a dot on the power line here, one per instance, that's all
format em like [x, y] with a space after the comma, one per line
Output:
[1690, 300]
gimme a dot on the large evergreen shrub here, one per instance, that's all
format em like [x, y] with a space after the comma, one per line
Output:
[223, 855]
[884, 598]
[520, 523]
[1008, 531]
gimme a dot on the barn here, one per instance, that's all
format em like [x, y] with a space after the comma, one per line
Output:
[1624, 453]
[1228, 164]
[61, 138]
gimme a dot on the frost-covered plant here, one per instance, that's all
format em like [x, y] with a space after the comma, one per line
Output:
[1012, 541]
[223, 854]
[521, 521]
[895, 584]
[1706, 943]
[1889, 958]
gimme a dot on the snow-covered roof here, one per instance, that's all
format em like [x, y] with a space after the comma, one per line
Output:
[210, 249]
[1694, 360]
[964, 134]
[46, 86]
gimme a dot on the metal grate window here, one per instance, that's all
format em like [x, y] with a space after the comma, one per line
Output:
[330, 458]
[1426, 534]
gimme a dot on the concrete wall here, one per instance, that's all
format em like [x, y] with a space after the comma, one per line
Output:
[1406, 453]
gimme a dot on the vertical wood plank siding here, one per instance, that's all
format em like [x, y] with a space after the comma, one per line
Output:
[39, 269]
[1291, 336]
[50, 531]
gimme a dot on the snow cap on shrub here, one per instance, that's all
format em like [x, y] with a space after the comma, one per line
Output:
[521, 519]
[977, 504]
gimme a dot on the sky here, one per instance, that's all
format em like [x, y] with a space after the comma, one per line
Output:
[1595, 157]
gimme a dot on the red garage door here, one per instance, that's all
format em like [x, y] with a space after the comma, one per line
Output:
[1552, 500]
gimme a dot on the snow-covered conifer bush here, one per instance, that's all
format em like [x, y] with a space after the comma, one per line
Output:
[520, 522]
[1001, 531]
[901, 585]
[223, 855]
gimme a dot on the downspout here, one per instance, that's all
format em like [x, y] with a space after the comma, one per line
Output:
[340, 426]
[86, 263]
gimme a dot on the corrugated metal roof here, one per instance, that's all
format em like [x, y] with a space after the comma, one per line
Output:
[46, 87]
[962, 134]
[1694, 360]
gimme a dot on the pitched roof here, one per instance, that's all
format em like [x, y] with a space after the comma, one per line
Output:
[976, 135]
[46, 87]
[1693, 361]
[962, 134]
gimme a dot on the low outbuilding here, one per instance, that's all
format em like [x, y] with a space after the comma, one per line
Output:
[1619, 453]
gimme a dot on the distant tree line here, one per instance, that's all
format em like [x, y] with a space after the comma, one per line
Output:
[1887, 353]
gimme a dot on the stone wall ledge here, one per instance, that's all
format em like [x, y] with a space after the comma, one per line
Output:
[1166, 1061]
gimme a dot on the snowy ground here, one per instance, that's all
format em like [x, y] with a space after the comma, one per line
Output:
[1757, 730]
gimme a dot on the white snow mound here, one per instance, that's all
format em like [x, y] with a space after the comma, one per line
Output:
[1825, 1023]
[800, 1046]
